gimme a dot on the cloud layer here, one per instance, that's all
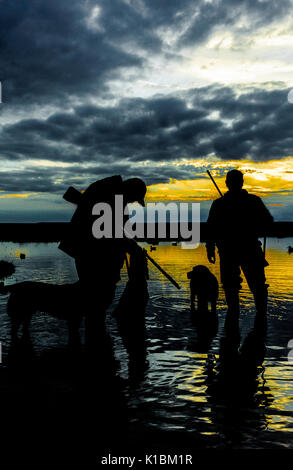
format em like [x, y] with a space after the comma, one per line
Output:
[93, 88]
[137, 135]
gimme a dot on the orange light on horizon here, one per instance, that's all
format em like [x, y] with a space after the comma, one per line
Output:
[274, 177]
[14, 195]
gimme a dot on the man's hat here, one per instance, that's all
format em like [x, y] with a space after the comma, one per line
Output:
[136, 188]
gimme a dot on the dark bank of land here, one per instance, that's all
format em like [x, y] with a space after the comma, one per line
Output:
[54, 232]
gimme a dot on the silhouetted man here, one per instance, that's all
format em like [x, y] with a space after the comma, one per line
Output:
[99, 260]
[235, 222]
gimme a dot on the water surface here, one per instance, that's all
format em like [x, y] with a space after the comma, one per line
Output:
[175, 393]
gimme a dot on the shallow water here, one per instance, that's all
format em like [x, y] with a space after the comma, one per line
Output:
[177, 391]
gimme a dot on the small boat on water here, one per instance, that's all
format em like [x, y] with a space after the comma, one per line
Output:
[290, 249]
[153, 248]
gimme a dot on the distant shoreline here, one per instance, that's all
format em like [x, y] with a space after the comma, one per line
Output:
[55, 231]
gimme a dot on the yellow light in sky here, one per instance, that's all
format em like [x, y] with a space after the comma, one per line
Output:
[15, 195]
[260, 178]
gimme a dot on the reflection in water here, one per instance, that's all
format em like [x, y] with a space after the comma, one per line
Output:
[236, 385]
[232, 391]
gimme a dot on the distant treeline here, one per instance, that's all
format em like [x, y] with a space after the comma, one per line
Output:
[54, 232]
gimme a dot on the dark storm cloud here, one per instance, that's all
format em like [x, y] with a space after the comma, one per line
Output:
[143, 21]
[257, 122]
[54, 54]
[136, 129]
[51, 52]
[48, 52]
[229, 123]
[56, 180]
[208, 16]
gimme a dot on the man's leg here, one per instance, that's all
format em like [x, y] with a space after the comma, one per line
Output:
[231, 280]
[253, 269]
[98, 293]
[97, 304]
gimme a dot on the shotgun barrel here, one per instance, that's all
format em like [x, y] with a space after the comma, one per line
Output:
[210, 175]
[170, 278]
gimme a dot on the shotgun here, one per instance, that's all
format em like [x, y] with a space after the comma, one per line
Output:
[210, 175]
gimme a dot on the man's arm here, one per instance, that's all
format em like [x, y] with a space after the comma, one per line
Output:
[211, 252]
[265, 218]
[211, 227]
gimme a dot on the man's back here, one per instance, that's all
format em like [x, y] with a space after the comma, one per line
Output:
[238, 217]
[80, 238]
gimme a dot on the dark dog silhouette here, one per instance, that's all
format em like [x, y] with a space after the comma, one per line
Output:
[60, 301]
[204, 286]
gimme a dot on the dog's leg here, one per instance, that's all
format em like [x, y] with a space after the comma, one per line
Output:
[15, 317]
[214, 306]
[201, 304]
[73, 331]
[15, 325]
[192, 299]
[26, 323]
[192, 302]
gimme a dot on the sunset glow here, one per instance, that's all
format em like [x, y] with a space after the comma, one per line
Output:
[261, 178]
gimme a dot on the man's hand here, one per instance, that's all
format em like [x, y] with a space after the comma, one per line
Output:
[132, 247]
[211, 253]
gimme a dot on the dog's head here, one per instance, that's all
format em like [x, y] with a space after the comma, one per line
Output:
[6, 269]
[198, 271]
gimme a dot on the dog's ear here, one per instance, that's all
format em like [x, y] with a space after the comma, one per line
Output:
[189, 275]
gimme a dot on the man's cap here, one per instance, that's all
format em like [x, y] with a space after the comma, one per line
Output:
[136, 187]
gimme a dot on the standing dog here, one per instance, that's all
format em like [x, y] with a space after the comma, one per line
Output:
[204, 286]
[60, 301]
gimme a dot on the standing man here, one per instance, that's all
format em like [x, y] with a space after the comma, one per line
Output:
[235, 222]
[98, 261]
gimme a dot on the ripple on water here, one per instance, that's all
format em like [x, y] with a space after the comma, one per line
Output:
[180, 390]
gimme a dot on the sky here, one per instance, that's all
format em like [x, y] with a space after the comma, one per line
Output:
[159, 89]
